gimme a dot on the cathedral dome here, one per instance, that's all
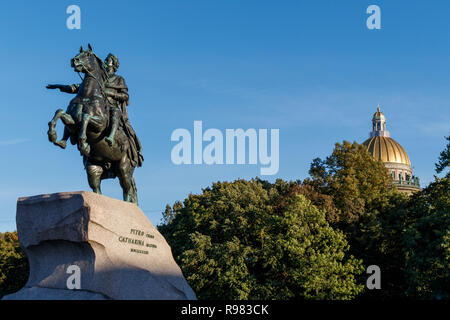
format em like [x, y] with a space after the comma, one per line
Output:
[382, 147]
[387, 150]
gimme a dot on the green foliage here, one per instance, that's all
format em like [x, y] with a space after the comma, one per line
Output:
[257, 240]
[407, 237]
[368, 209]
[14, 267]
[357, 182]
[360, 189]
[253, 240]
[321, 201]
[427, 243]
[426, 240]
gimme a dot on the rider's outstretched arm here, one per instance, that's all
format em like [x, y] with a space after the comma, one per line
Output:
[73, 88]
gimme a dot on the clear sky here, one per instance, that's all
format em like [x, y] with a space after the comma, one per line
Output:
[311, 69]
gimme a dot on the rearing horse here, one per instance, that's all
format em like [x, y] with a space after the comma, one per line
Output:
[87, 124]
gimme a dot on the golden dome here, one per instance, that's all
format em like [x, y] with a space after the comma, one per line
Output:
[387, 150]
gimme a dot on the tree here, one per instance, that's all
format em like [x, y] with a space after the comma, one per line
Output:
[14, 268]
[444, 159]
[427, 240]
[360, 188]
[257, 240]
[357, 182]
[366, 206]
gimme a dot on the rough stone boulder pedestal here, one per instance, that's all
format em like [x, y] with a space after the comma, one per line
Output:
[119, 253]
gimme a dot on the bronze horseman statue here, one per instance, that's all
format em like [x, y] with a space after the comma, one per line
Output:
[97, 121]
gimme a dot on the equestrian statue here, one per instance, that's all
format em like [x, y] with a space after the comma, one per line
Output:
[96, 120]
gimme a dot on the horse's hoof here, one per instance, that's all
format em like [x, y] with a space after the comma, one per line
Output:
[51, 135]
[61, 144]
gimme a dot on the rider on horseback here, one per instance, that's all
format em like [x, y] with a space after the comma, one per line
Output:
[116, 92]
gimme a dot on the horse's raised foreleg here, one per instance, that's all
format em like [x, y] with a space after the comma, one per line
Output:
[63, 142]
[51, 133]
[67, 120]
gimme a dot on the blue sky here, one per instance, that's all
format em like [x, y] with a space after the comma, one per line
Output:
[309, 68]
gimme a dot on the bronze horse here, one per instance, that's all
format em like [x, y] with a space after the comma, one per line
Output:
[87, 123]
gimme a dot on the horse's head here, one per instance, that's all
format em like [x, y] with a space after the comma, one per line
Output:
[86, 61]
